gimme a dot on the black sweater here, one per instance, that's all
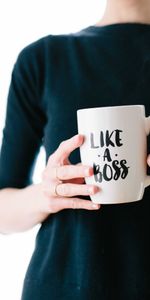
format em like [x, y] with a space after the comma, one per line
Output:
[79, 254]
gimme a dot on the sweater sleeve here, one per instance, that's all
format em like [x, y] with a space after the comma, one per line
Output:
[24, 123]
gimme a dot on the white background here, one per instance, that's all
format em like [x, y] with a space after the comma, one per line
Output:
[22, 22]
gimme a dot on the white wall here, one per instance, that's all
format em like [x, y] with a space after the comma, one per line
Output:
[22, 22]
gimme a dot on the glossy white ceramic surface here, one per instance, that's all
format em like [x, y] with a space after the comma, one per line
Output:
[116, 147]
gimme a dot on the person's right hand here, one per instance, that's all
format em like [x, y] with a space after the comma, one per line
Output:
[68, 179]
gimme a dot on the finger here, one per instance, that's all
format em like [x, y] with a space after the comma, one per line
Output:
[58, 204]
[69, 189]
[65, 148]
[46, 183]
[76, 180]
[46, 180]
[77, 203]
[148, 160]
[74, 171]
[67, 172]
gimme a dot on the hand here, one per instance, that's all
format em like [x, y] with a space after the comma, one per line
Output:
[148, 160]
[62, 181]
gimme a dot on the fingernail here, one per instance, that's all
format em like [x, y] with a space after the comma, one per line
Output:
[97, 188]
[88, 171]
[79, 137]
[91, 190]
[95, 205]
[94, 189]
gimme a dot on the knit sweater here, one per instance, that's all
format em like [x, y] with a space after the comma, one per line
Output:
[79, 254]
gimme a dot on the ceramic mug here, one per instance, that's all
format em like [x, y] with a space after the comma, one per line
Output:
[115, 145]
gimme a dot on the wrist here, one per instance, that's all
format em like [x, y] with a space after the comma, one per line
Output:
[39, 201]
[35, 204]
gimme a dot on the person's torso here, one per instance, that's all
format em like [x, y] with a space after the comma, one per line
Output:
[93, 254]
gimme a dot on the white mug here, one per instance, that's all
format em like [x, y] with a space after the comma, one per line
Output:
[115, 145]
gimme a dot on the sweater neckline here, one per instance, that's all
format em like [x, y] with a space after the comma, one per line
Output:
[114, 27]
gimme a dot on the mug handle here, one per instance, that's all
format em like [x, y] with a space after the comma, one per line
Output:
[147, 127]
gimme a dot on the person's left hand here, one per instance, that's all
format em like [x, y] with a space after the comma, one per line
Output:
[148, 160]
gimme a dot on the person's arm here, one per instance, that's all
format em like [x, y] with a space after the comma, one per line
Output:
[21, 209]
[22, 203]
[22, 138]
